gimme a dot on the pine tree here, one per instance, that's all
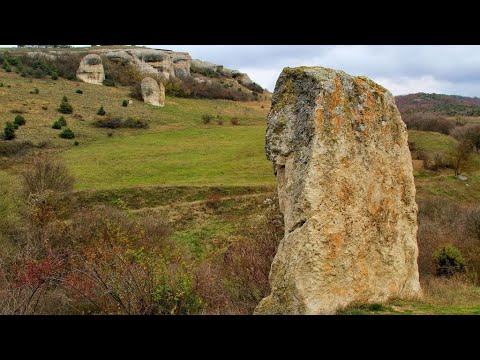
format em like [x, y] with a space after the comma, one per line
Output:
[9, 131]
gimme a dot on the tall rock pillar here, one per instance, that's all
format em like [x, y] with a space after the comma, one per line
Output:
[346, 189]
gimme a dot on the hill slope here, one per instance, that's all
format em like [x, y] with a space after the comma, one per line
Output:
[446, 104]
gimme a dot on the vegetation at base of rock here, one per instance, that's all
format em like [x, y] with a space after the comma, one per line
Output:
[108, 82]
[124, 103]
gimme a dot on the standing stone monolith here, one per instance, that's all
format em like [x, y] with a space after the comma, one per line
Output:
[91, 70]
[346, 189]
[152, 92]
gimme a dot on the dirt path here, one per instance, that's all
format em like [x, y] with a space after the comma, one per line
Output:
[198, 202]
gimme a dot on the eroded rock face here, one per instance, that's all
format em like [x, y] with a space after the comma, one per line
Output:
[345, 183]
[159, 63]
[91, 70]
[152, 92]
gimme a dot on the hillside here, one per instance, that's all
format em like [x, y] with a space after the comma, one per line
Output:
[444, 104]
[204, 186]
[128, 65]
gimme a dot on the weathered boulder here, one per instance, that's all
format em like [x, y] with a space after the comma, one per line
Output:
[346, 189]
[152, 92]
[91, 69]
[244, 79]
[181, 64]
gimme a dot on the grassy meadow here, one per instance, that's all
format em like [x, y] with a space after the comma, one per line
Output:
[209, 182]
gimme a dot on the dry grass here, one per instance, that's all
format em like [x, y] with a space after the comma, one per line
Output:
[178, 113]
[455, 291]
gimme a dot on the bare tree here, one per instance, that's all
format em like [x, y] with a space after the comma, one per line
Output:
[461, 156]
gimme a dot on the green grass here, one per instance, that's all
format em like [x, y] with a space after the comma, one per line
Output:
[199, 240]
[432, 142]
[40, 110]
[404, 307]
[221, 156]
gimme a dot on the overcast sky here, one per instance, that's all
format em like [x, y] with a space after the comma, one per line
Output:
[403, 69]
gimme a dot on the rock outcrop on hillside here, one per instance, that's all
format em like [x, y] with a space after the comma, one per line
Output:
[346, 189]
[164, 63]
[242, 78]
[91, 69]
[152, 92]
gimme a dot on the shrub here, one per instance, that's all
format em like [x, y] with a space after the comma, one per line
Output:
[116, 122]
[442, 221]
[47, 174]
[101, 111]
[9, 131]
[120, 251]
[78, 91]
[14, 147]
[428, 122]
[135, 123]
[35, 91]
[237, 280]
[108, 82]
[469, 132]
[76, 143]
[412, 145]
[19, 120]
[234, 121]
[124, 103]
[56, 125]
[109, 122]
[254, 87]
[45, 108]
[219, 121]
[67, 134]
[124, 74]
[206, 118]
[461, 157]
[54, 76]
[136, 92]
[439, 161]
[65, 107]
[191, 88]
[448, 261]
[1, 84]
[61, 120]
